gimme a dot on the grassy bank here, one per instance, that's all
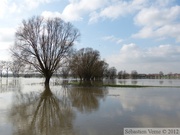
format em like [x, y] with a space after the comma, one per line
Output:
[106, 85]
[118, 85]
[130, 86]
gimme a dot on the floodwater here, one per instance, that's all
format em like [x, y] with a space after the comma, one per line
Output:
[28, 108]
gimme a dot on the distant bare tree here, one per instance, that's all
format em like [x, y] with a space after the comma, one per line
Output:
[134, 74]
[1, 67]
[65, 72]
[86, 64]
[112, 72]
[170, 75]
[44, 43]
[6, 66]
[16, 67]
[161, 74]
[122, 74]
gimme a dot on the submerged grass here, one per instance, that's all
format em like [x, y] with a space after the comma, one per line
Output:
[130, 86]
[119, 85]
[106, 85]
[137, 86]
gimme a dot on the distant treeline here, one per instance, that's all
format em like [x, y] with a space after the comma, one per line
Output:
[118, 75]
[84, 64]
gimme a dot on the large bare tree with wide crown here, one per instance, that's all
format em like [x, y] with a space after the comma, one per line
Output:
[44, 43]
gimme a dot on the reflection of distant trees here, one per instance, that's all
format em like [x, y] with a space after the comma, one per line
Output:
[110, 81]
[89, 83]
[42, 114]
[161, 82]
[122, 81]
[51, 112]
[134, 74]
[170, 81]
[59, 81]
[86, 99]
[7, 84]
[123, 75]
[134, 82]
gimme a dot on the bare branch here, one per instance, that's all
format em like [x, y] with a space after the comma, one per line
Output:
[44, 43]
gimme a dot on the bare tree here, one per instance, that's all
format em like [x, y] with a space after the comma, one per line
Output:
[134, 74]
[86, 64]
[44, 43]
[161, 74]
[1, 67]
[65, 71]
[122, 74]
[5, 65]
[112, 72]
[50, 113]
[16, 67]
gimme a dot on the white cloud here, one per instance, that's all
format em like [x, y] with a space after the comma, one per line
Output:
[12, 12]
[112, 38]
[5, 55]
[76, 9]
[3, 7]
[48, 14]
[31, 4]
[116, 9]
[6, 38]
[17, 6]
[161, 58]
[7, 34]
[156, 17]
[93, 17]
[162, 3]
[158, 22]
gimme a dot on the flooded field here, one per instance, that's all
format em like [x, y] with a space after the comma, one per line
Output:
[28, 108]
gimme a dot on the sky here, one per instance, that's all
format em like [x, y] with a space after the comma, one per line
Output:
[141, 35]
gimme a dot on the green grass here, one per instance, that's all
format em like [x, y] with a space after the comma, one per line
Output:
[138, 86]
[130, 86]
[124, 86]
[73, 83]
[109, 85]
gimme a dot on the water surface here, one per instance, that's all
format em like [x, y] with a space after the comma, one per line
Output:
[28, 108]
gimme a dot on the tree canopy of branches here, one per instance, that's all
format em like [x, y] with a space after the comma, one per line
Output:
[111, 73]
[16, 67]
[6, 66]
[122, 74]
[134, 74]
[44, 43]
[86, 64]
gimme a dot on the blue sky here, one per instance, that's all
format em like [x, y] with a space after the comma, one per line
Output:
[142, 35]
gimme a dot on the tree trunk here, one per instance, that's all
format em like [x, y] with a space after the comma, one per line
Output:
[47, 80]
[47, 90]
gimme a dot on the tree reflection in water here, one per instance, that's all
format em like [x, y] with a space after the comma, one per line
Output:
[43, 114]
[8, 85]
[51, 112]
[86, 99]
